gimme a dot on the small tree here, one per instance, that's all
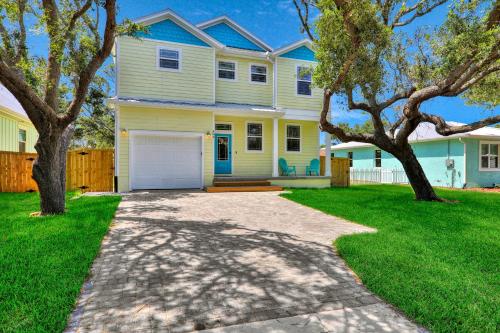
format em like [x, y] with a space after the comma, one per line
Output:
[365, 56]
[52, 90]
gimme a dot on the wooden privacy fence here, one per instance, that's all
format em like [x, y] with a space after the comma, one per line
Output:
[89, 170]
[340, 170]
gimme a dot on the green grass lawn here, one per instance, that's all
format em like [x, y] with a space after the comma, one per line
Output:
[45, 260]
[438, 262]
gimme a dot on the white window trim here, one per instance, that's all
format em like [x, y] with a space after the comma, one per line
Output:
[480, 155]
[375, 159]
[297, 81]
[158, 48]
[224, 131]
[250, 74]
[286, 139]
[235, 71]
[246, 137]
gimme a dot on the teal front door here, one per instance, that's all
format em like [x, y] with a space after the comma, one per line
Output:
[222, 152]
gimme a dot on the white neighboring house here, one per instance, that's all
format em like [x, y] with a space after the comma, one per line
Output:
[462, 160]
[17, 133]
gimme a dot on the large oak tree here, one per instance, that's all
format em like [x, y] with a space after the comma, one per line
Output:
[375, 54]
[51, 83]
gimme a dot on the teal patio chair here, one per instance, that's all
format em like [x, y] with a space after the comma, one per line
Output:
[313, 167]
[286, 170]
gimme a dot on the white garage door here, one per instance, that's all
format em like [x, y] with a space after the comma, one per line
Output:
[165, 162]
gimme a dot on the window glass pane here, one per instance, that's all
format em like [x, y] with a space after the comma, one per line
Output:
[22, 135]
[349, 155]
[293, 131]
[254, 143]
[229, 75]
[304, 74]
[227, 65]
[378, 153]
[304, 88]
[259, 78]
[494, 162]
[484, 162]
[254, 129]
[223, 127]
[22, 147]
[171, 54]
[222, 149]
[259, 69]
[168, 63]
[493, 149]
[293, 144]
[484, 149]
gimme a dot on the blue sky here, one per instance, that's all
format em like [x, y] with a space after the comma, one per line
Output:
[276, 22]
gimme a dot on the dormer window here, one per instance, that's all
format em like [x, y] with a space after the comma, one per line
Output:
[304, 80]
[227, 70]
[258, 74]
[169, 59]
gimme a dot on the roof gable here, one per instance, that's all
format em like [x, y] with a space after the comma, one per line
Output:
[169, 26]
[9, 102]
[302, 53]
[169, 31]
[233, 35]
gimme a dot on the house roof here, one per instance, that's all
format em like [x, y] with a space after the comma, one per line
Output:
[169, 14]
[9, 102]
[289, 47]
[235, 26]
[427, 132]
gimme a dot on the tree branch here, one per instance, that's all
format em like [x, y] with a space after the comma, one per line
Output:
[304, 19]
[445, 129]
[419, 9]
[53, 75]
[91, 68]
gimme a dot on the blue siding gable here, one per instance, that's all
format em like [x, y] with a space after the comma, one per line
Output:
[171, 32]
[230, 37]
[301, 53]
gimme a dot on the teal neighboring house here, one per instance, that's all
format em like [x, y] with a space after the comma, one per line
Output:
[463, 160]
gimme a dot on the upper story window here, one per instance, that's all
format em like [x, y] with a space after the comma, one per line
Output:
[169, 59]
[304, 80]
[378, 158]
[22, 141]
[258, 73]
[226, 70]
[254, 137]
[292, 138]
[489, 156]
[349, 156]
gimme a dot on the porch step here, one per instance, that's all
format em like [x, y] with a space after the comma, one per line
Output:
[229, 183]
[218, 189]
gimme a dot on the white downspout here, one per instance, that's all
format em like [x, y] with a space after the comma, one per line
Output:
[465, 161]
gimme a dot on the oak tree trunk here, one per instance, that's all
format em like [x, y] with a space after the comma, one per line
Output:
[49, 169]
[416, 176]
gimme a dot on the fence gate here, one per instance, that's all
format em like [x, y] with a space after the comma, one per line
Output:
[89, 170]
[340, 170]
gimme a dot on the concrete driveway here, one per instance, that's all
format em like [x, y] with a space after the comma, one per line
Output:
[184, 261]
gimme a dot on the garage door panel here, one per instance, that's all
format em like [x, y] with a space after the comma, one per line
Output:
[166, 162]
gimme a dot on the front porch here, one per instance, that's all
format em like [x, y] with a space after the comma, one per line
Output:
[264, 184]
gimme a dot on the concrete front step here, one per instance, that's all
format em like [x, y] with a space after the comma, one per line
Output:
[228, 183]
[218, 189]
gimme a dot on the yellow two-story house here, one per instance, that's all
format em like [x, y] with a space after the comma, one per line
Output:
[198, 102]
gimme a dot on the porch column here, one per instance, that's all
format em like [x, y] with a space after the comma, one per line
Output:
[275, 148]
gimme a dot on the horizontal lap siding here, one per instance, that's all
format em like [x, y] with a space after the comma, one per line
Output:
[475, 177]
[241, 90]
[155, 119]
[287, 97]
[309, 144]
[250, 163]
[9, 133]
[139, 76]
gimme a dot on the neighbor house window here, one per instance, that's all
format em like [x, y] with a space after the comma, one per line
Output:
[226, 70]
[378, 158]
[293, 138]
[254, 137]
[22, 141]
[169, 59]
[349, 156]
[304, 79]
[489, 156]
[258, 73]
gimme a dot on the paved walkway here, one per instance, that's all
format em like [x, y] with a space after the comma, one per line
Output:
[184, 261]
